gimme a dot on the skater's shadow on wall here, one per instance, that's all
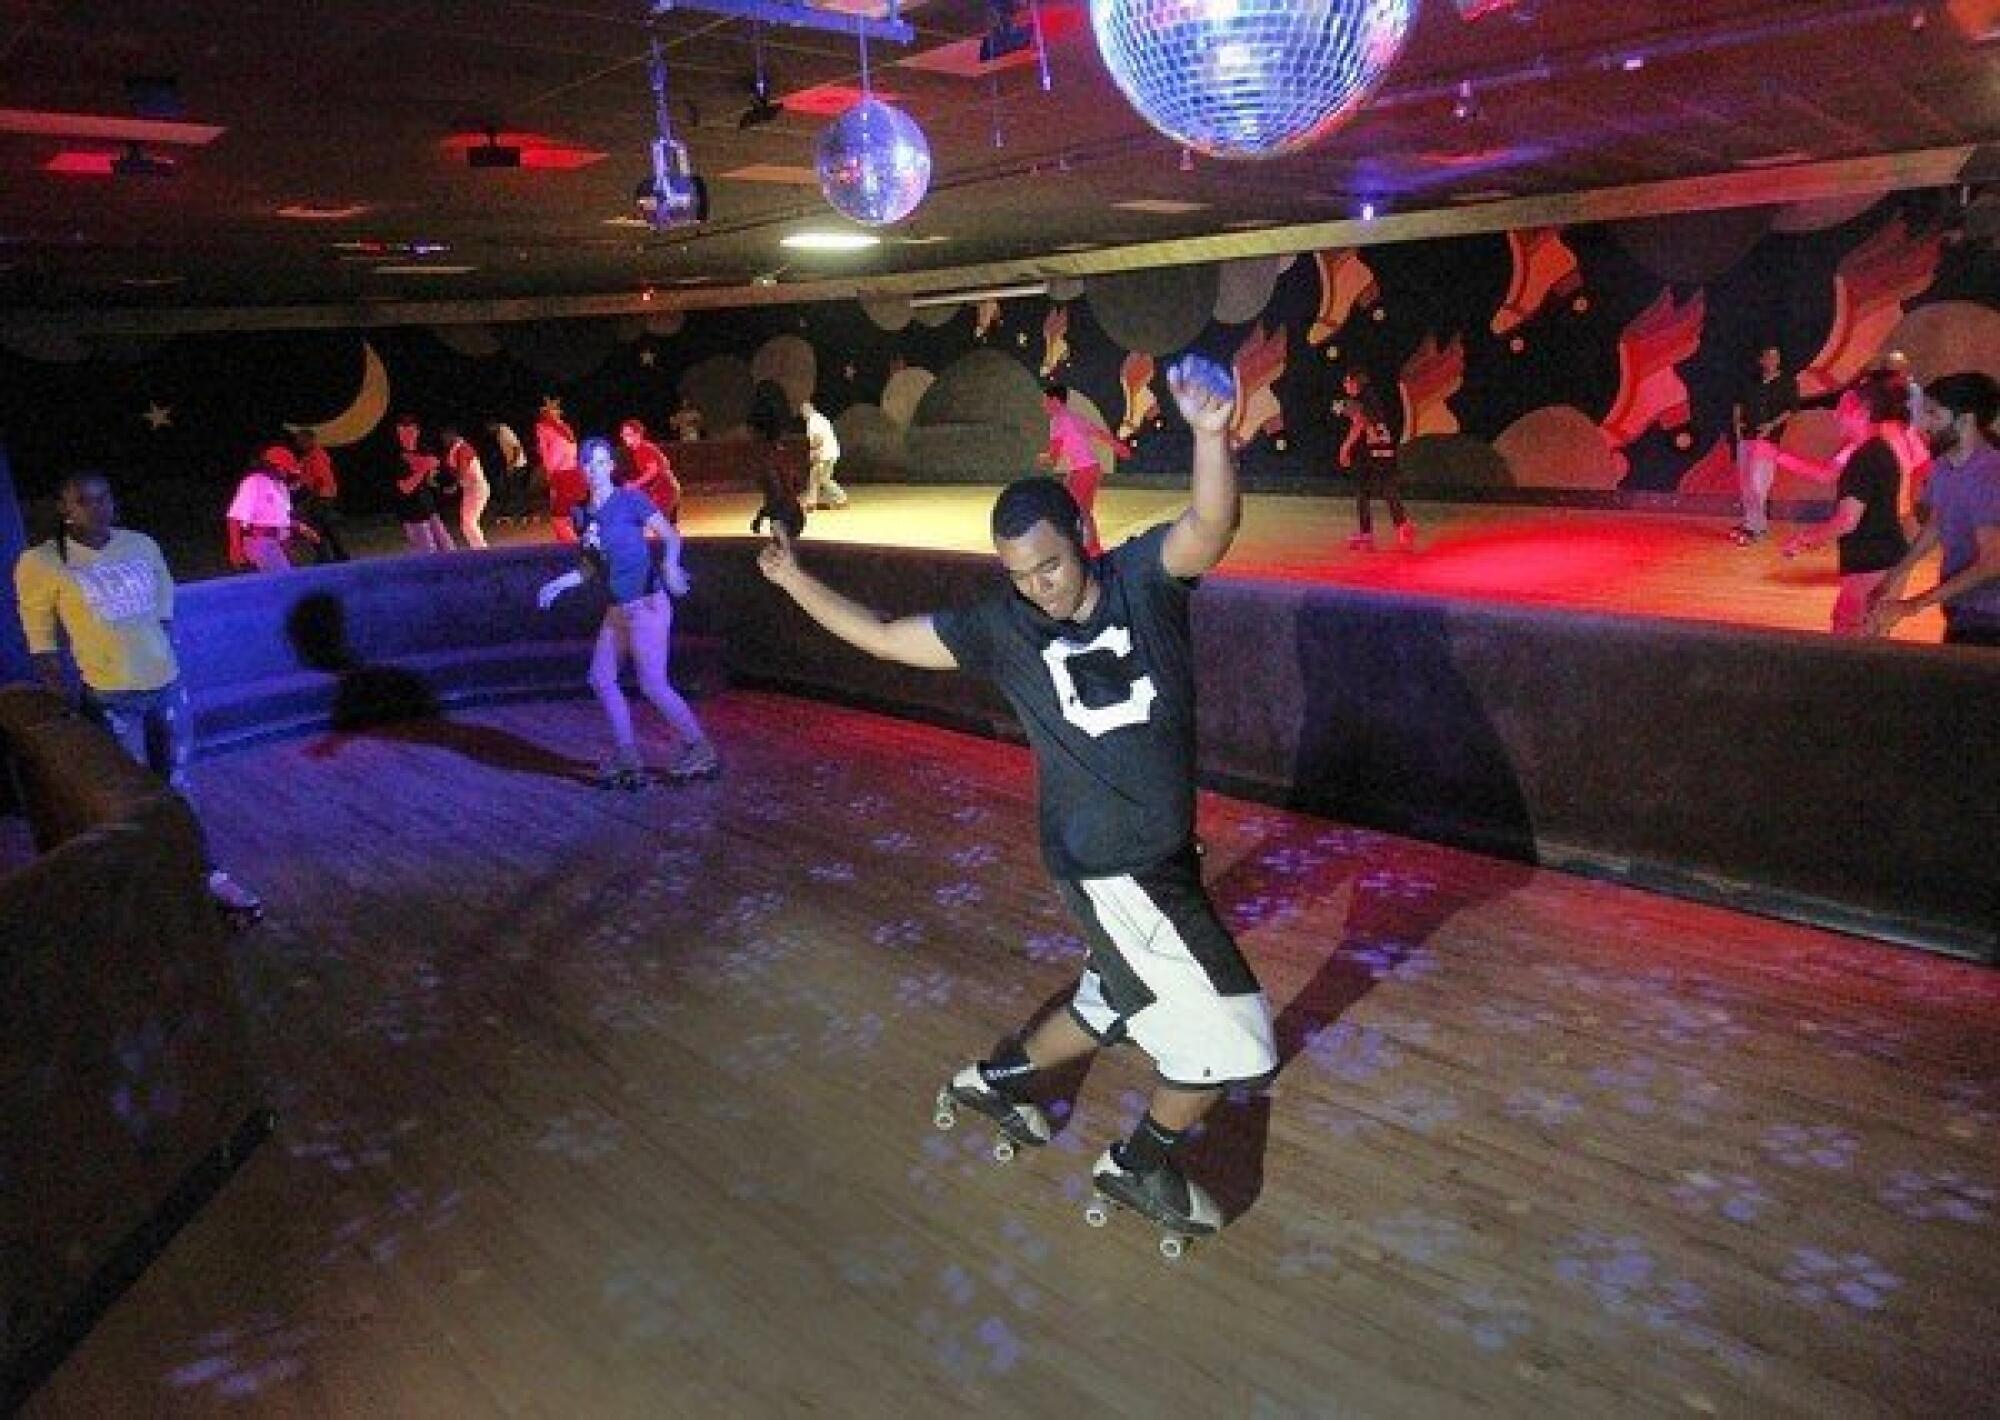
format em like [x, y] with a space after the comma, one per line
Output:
[397, 703]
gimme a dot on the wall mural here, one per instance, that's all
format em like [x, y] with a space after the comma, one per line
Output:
[1594, 363]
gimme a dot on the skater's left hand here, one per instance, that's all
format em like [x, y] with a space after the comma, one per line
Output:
[676, 579]
[1203, 392]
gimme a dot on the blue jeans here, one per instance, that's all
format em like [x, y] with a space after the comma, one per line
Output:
[156, 728]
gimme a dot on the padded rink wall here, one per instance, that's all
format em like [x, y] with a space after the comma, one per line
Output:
[1849, 785]
[1856, 786]
[126, 1088]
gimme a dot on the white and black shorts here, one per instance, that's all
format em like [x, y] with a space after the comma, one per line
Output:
[1165, 973]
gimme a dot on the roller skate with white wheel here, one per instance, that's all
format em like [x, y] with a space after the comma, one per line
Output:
[1020, 1124]
[623, 770]
[242, 907]
[1181, 1210]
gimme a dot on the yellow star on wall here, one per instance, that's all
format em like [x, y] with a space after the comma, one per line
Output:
[158, 416]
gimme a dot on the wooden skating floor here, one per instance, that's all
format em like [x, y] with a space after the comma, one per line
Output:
[1627, 563]
[1622, 562]
[596, 1103]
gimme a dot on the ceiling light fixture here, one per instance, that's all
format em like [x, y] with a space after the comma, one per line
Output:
[986, 293]
[762, 110]
[493, 153]
[673, 196]
[818, 240]
[318, 212]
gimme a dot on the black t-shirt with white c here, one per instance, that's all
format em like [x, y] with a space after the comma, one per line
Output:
[1107, 705]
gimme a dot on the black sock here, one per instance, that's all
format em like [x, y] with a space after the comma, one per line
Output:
[1008, 1071]
[1148, 1147]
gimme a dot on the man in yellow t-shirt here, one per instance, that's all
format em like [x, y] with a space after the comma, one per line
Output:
[106, 591]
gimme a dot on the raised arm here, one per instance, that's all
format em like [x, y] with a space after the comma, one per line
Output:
[908, 640]
[1201, 535]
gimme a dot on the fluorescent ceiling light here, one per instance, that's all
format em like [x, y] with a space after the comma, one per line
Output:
[988, 293]
[829, 241]
[316, 212]
[1775, 160]
[412, 269]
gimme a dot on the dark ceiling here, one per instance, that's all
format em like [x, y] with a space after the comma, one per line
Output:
[337, 103]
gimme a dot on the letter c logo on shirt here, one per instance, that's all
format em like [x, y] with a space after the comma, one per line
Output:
[1099, 720]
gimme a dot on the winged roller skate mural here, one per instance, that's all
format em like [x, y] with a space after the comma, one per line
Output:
[1259, 361]
[1346, 284]
[1546, 273]
[1055, 340]
[1142, 406]
[1570, 358]
[1870, 290]
[1431, 376]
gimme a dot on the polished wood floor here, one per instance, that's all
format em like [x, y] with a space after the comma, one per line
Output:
[1627, 563]
[597, 1103]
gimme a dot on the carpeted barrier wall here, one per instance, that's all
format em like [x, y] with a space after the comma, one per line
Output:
[125, 1083]
[1845, 784]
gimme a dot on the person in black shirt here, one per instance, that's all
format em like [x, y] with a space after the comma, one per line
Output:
[1368, 426]
[1761, 416]
[1864, 518]
[1095, 656]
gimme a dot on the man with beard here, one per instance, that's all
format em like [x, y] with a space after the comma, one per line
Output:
[1959, 413]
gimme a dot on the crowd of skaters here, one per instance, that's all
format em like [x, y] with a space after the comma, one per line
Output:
[287, 504]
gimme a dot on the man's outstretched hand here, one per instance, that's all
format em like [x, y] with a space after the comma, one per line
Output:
[777, 561]
[1203, 392]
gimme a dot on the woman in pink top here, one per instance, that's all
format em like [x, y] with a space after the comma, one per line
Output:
[1072, 452]
[555, 441]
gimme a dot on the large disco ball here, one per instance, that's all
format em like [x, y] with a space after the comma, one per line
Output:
[1249, 78]
[874, 163]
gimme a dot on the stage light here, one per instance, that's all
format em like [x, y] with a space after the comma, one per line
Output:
[673, 196]
[135, 161]
[874, 163]
[493, 153]
[1367, 211]
[1249, 78]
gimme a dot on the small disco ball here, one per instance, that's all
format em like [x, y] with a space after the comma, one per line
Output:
[874, 163]
[1249, 78]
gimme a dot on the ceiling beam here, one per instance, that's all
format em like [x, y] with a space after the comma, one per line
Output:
[1803, 182]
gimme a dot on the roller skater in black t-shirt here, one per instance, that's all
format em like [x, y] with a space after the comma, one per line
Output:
[1368, 428]
[1095, 656]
